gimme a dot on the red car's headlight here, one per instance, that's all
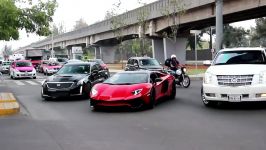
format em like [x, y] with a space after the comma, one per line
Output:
[94, 92]
[136, 92]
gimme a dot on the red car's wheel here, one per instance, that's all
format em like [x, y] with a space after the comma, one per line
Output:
[173, 91]
[152, 99]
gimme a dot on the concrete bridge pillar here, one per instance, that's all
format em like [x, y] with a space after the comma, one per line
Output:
[97, 53]
[164, 48]
[158, 50]
[177, 47]
[108, 53]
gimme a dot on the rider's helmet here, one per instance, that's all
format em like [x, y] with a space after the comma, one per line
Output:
[173, 56]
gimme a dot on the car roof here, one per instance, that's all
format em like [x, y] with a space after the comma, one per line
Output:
[141, 58]
[243, 48]
[22, 61]
[80, 63]
[138, 71]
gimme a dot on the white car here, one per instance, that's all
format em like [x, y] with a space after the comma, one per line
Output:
[235, 75]
[22, 69]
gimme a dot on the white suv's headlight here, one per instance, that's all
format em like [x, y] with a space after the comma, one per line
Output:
[262, 77]
[208, 77]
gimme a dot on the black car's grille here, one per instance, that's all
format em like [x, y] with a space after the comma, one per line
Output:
[234, 80]
[59, 85]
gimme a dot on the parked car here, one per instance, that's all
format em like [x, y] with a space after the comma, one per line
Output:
[133, 89]
[73, 79]
[74, 61]
[5, 66]
[42, 64]
[22, 69]
[99, 61]
[51, 68]
[61, 61]
[235, 75]
[143, 63]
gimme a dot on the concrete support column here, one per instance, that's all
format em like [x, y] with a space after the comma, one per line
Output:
[97, 52]
[219, 24]
[108, 53]
[177, 47]
[158, 50]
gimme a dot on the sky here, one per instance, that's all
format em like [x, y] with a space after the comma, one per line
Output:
[69, 11]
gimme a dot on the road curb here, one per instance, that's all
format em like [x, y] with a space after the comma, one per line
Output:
[196, 78]
[8, 104]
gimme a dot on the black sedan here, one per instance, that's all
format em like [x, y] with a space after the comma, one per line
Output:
[74, 79]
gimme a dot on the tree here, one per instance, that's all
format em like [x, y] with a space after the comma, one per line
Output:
[173, 11]
[60, 29]
[142, 18]
[117, 25]
[34, 18]
[258, 34]
[80, 24]
[235, 36]
[191, 41]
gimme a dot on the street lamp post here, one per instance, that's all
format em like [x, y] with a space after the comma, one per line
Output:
[52, 52]
[196, 32]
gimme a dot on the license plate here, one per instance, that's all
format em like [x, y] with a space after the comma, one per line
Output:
[234, 98]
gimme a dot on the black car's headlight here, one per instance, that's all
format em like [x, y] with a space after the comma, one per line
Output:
[43, 82]
[80, 82]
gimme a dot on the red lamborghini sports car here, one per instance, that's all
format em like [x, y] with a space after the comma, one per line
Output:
[133, 89]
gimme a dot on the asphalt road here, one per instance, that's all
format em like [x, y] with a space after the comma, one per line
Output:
[180, 124]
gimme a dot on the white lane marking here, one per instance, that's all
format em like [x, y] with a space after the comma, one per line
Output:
[32, 83]
[19, 83]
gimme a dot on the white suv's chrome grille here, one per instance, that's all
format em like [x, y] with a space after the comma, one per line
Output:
[234, 80]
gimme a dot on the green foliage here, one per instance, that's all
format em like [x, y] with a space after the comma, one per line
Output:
[191, 42]
[258, 34]
[235, 36]
[34, 18]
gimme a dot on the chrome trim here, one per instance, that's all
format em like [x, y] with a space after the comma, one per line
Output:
[235, 80]
[59, 83]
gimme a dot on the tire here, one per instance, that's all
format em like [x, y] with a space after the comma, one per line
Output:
[186, 81]
[173, 91]
[34, 77]
[86, 90]
[206, 102]
[151, 104]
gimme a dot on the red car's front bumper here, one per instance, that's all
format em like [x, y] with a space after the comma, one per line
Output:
[132, 103]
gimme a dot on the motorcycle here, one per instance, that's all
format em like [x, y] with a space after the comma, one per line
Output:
[181, 76]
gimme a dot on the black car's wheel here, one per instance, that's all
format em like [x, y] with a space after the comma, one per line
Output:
[152, 99]
[173, 91]
[206, 102]
[186, 81]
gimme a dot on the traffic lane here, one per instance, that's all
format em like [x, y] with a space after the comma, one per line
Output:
[183, 123]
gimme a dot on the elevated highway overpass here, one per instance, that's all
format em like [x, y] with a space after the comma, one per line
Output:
[198, 14]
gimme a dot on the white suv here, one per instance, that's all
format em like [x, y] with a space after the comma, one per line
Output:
[235, 75]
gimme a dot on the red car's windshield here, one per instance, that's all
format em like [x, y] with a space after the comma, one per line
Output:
[128, 78]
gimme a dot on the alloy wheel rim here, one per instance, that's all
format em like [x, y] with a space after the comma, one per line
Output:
[185, 81]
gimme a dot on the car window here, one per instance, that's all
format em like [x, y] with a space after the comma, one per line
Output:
[136, 62]
[74, 69]
[240, 57]
[128, 78]
[129, 62]
[23, 64]
[153, 76]
[148, 62]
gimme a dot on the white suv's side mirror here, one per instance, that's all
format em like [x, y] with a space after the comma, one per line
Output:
[207, 62]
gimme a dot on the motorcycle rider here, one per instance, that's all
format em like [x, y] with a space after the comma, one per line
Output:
[172, 63]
